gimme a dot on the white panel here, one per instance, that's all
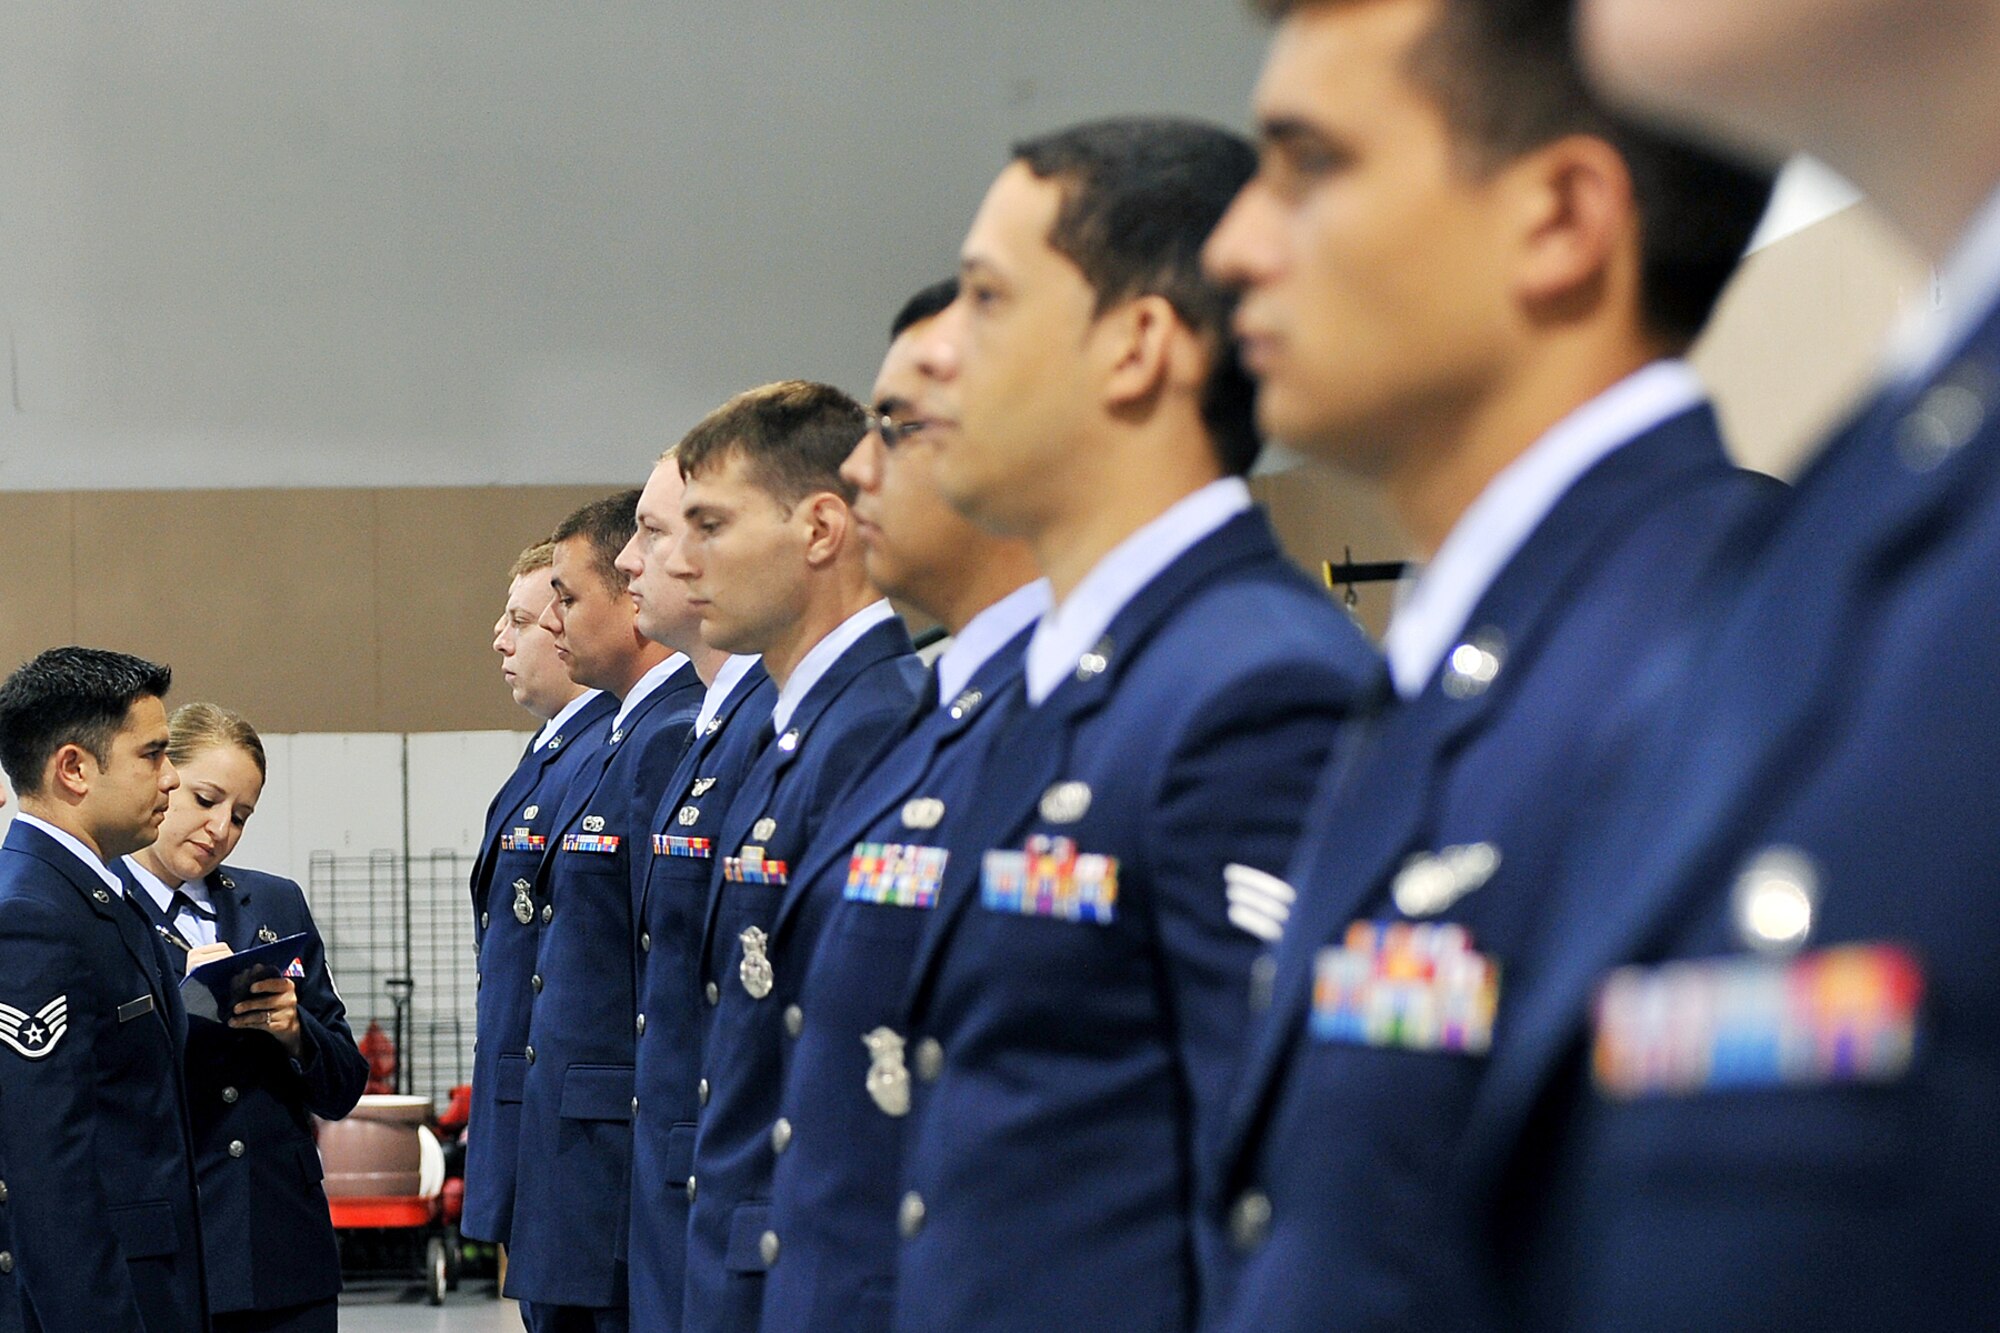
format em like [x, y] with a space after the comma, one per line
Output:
[346, 794]
[267, 838]
[453, 776]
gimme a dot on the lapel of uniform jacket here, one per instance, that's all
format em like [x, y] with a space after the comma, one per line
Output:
[1031, 749]
[1378, 808]
[914, 755]
[1872, 482]
[753, 801]
[688, 770]
[133, 924]
[534, 763]
[235, 923]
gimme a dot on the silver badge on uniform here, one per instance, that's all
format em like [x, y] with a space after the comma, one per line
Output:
[1430, 882]
[965, 703]
[764, 828]
[701, 786]
[593, 823]
[1774, 900]
[925, 812]
[1065, 802]
[789, 741]
[688, 815]
[531, 812]
[267, 935]
[755, 969]
[888, 1078]
[524, 902]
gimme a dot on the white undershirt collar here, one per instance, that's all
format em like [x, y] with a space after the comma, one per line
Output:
[655, 677]
[195, 927]
[1073, 628]
[732, 670]
[553, 727]
[1970, 280]
[986, 633]
[1432, 609]
[821, 657]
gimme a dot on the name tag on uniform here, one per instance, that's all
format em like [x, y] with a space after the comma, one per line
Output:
[590, 842]
[1843, 1015]
[1416, 986]
[132, 1009]
[895, 874]
[752, 868]
[1050, 878]
[520, 840]
[665, 844]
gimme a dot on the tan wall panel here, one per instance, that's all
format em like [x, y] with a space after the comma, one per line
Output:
[38, 602]
[440, 559]
[1321, 516]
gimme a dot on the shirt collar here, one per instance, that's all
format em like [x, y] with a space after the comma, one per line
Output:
[553, 727]
[1970, 281]
[986, 633]
[732, 671]
[820, 659]
[1073, 628]
[77, 847]
[652, 680]
[156, 888]
[1432, 610]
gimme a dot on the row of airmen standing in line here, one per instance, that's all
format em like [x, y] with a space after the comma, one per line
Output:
[1618, 954]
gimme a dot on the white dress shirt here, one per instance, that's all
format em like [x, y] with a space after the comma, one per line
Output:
[646, 684]
[820, 659]
[79, 848]
[986, 633]
[1431, 611]
[195, 924]
[553, 727]
[732, 671]
[1073, 629]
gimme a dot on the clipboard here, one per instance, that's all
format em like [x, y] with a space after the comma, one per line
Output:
[212, 990]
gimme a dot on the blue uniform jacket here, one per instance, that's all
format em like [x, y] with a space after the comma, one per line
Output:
[1081, 977]
[864, 698]
[519, 825]
[671, 908]
[576, 1104]
[833, 1200]
[266, 1234]
[1820, 1155]
[1432, 844]
[95, 1148]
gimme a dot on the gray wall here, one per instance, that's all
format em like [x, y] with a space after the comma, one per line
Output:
[467, 242]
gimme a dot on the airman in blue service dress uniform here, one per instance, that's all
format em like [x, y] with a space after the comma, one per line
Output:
[871, 874]
[506, 931]
[268, 1238]
[96, 1158]
[1422, 879]
[863, 696]
[576, 1103]
[1760, 1091]
[671, 907]
[1079, 1001]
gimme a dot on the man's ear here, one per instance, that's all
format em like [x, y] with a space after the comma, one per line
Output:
[71, 771]
[828, 522]
[1139, 343]
[1577, 227]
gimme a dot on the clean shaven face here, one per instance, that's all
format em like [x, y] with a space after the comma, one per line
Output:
[532, 668]
[659, 600]
[207, 813]
[742, 557]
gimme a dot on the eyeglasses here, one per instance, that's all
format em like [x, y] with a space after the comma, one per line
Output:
[894, 432]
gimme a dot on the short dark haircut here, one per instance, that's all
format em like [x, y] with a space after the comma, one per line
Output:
[70, 696]
[1506, 75]
[1139, 198]
[926, 304]
[605, 526]
[794, 435]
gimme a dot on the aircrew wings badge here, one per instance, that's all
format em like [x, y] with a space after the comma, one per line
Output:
[35, 1035]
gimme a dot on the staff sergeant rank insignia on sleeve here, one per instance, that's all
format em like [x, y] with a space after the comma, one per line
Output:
[35, 1035]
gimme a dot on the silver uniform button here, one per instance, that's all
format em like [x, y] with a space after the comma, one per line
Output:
[535, 983]
[767, 1248]
[701, 1093]
[6, 1262]
[639, 1024]
[781, 1135]
[635, 1108]
[236, 1147]
[548, 914]
[930, 1059]
[530, 1054]
[1774, 900]
[691, 1189]
[1250, 1220]
[3, 1191]
[229, 1096]
[714, 993]
[910, 1215]
[645, 941]
[485, 920]
[795, 1020]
